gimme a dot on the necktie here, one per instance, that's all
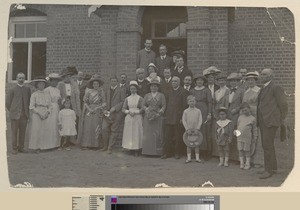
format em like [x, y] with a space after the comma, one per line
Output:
[232, 90]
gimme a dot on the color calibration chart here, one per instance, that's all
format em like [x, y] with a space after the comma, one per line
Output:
[92, 202]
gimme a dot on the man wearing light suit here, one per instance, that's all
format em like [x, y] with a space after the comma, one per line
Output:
[115, 97]
[17, 103]
[272, 109]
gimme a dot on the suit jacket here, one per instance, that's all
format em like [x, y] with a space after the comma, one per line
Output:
[75, 95]
[235, 105]
[144, 58]
[272, 105]
[162, 64]
[143, 88]
[176, 104]
[14, 101]
[185, 72]
[116, 101]
[82, 88]
[125, 88]
[166, 87]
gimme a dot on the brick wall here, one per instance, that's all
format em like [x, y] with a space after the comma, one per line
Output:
[254, 44]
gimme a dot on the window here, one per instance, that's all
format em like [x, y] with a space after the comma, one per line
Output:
[27, 47]
[168, 29]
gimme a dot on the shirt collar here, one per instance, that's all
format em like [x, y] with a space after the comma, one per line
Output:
[20, 85]
[113, 87]
[176, 88]
[255, 89]
[163, 56]
[223, 123]
[147, 50]
[141, 80]
[266, 84]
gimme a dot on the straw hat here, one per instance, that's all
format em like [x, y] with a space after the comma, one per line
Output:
[134, 83]
[38, 79]
[199, 75]
[253, 74]
[234, 76]
[152, 65]
[193, 140]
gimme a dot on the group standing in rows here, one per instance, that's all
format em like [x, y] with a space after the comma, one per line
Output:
[166, 111]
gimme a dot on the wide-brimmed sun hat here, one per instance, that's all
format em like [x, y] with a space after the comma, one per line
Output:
[70, 70]
[201, 76]
[154, 81]
[53, 76]
[38, 79]
[193, 140]
[211, 70]
[152, 65]
[95, 77]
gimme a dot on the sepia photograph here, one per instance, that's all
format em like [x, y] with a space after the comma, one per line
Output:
[149, 96]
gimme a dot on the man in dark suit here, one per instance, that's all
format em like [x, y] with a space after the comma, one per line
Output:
[143, 87]
[181, 70]
[163, 61]
[176, 103]
[82, 84]
[123, 83]
[145, 56]
[115, 97]
[17, 103]
[272, 109]
[166, 85]
[188, 85]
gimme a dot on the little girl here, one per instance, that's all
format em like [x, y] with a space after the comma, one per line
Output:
[67, 124]
[224, 134]
[246, 133]
[192, 121]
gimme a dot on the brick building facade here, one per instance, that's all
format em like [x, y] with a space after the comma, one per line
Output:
[106, 41]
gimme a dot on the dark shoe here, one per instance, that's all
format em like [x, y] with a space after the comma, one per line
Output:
[261, 172]
[265, 175]
[164, 157]
[22, 151]
[188, 161]
[103, 149]
[14, 152]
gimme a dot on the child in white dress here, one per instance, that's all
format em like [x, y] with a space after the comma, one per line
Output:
[192, 120]
[67, 124]
[247, 133]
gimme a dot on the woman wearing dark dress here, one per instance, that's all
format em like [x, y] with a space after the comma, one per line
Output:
[204, 103]
[154, 106]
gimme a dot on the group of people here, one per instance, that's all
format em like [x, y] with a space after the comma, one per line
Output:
[167, 111]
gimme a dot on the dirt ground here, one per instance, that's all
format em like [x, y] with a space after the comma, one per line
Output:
[86, 168]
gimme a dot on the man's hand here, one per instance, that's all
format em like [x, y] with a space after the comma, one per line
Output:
[112, 110]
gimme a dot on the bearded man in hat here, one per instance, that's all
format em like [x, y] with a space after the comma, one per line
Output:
[69, 88]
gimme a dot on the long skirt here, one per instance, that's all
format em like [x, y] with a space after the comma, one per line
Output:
[40, 133]
[133, 132]
[90, 129]
[153, 136]
[52, 125]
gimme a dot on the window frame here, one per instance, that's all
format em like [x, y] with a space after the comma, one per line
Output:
[166, 20]
[23, 20]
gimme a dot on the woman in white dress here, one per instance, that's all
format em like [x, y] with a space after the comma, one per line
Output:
[133, 127]
[54, 138]
[40, 106]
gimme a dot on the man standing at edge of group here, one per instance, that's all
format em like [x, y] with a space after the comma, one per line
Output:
[176, 104]
[17, 103]
[145, 56]
[272, 109]
[163, 61]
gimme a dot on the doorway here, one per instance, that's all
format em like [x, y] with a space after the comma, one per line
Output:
[165, 25]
